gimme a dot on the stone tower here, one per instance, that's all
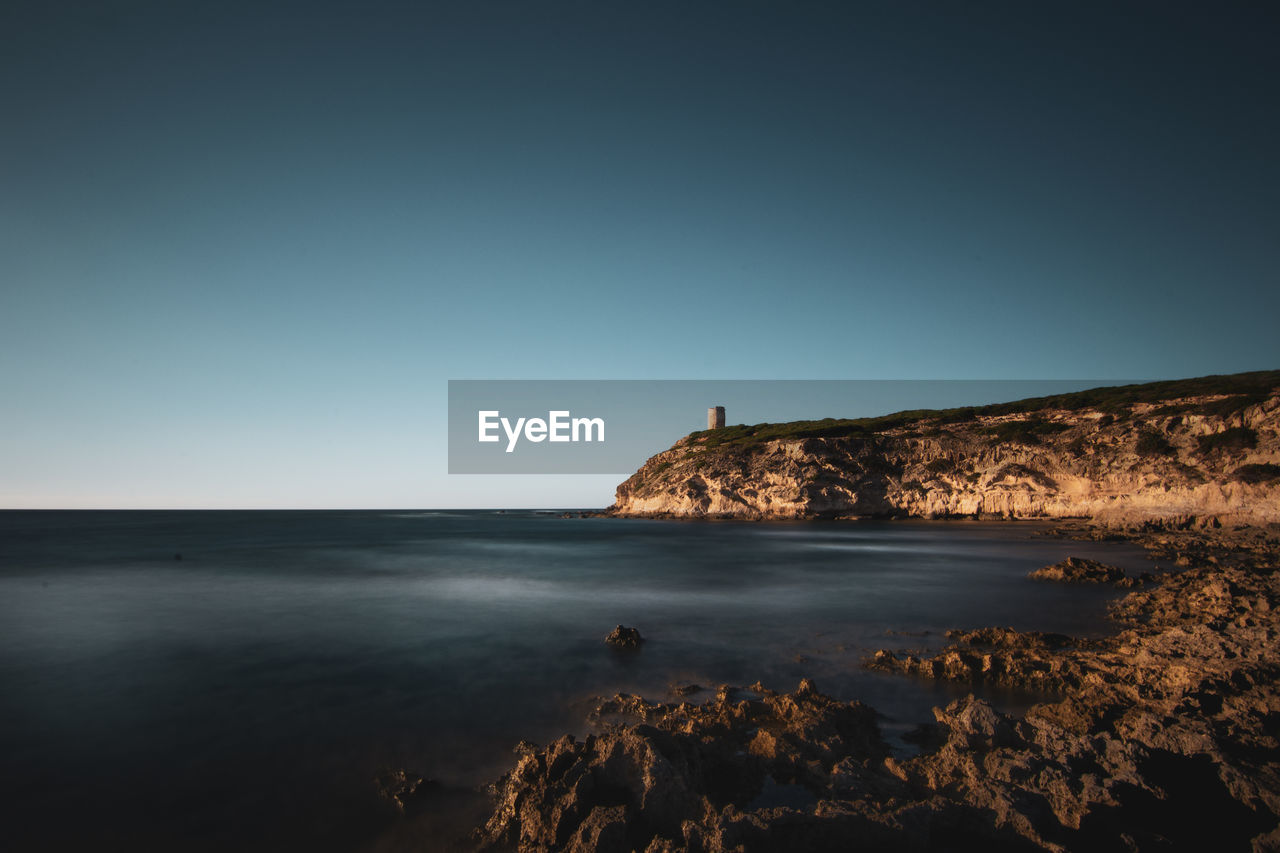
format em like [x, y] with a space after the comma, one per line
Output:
[715, 417]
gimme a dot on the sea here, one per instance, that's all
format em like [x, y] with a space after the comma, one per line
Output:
[238, 680]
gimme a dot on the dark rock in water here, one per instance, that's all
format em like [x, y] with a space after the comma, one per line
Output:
[623, 637]
[436, 817]
[684, 688]
[1080, 570]
[402, 788]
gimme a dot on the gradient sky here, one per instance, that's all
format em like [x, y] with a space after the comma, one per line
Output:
[243, 248]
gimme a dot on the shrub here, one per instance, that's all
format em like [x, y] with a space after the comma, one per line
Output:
[1152, 443]
[1193, 474]
[1230, 405]
[1115, 401]
[1023, 472]
[1023, 432]
[955, 416]
[1264, 473]
[1235, 438]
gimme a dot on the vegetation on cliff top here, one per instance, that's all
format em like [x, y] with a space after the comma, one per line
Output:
[1240, 390]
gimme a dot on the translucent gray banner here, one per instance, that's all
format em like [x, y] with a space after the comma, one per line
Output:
[587, 426]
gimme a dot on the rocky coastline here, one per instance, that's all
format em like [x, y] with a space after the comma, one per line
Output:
[1163, 736]
[1162, 451]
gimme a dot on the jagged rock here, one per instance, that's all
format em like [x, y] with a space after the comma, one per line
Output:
[623, 637]
[1082, 570]
[1164, 737]
[682, 770]
[1079, 570]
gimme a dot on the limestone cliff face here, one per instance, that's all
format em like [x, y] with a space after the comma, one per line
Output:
[1206, 456]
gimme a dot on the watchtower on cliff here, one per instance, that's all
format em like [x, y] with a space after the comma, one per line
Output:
[715, 417]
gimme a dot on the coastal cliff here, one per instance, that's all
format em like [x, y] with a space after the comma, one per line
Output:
[1206, 449]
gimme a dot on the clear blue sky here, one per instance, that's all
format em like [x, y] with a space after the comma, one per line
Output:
[242, 249]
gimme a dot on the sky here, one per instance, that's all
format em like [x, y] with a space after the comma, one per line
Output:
[244, 245]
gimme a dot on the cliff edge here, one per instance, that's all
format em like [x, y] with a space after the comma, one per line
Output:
[1206, 449]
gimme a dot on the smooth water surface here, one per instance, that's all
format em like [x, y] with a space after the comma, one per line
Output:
[216, 680]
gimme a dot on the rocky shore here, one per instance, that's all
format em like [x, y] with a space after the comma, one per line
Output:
[1163, 736]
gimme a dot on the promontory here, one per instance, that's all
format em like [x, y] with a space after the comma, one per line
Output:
[1161, 451]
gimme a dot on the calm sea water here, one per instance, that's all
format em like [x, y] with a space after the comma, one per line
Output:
[245, 695]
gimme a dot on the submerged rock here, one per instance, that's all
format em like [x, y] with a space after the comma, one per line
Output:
[684, 688]
[402, 788]
[623, 637]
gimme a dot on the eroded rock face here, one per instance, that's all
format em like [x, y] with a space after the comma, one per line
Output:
[1148, 464]
[1166, 737]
